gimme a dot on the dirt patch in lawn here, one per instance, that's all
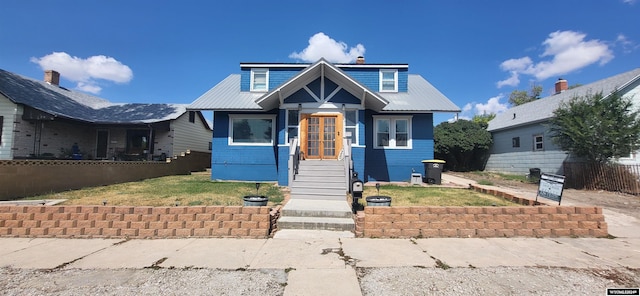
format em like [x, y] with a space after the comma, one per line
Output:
[620, 202]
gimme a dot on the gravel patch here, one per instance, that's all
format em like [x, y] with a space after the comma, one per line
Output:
[494, 281]
[142, 282]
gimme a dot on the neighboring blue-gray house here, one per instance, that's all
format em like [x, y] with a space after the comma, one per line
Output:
[520, 135]
[386, 112]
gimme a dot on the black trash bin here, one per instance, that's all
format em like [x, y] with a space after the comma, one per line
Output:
[535, 174]
[433, 171]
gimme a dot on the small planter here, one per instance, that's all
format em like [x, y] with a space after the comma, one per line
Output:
[378, 201]
[255, 200]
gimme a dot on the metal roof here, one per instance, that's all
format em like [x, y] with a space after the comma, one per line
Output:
[226, 95]
[542, 109]
[62, 102]
[420, 97]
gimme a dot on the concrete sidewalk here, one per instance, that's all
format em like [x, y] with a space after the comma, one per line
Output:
[318, 263]
[324, 262]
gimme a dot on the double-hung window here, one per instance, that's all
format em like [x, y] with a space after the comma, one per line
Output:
[251, 130]
[538, 143]
[392, 132]
[259, 79]
[515, 142]
[388, 80]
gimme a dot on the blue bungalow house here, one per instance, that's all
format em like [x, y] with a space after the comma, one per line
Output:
[379, 115]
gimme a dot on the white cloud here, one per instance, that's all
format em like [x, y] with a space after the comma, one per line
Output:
[627, 45]
[513, 80]
[468, 107]
[493, 106]
[86, 72]
[629, 1]
[568, 51]
[323, 46]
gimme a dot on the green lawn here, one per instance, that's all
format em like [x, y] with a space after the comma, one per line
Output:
[435, 196]
[189, 190]
[198, 189]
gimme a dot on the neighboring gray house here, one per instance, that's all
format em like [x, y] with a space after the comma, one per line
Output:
[41, 119]
[520, 135]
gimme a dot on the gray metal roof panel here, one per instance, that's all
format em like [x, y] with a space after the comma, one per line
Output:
[66, 103]
[226, 95]
[542, 109]
[420, 96]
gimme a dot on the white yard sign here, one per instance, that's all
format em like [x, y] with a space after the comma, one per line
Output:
[551, 187]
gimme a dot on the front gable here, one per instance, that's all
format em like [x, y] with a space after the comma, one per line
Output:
[322, 91]
[315, 77]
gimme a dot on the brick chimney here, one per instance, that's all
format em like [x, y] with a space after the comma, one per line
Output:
[52, 77]
[360, 60]
[561, 85]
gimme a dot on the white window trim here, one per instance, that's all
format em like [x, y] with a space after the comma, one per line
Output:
[355, 138]
[289, 125]
[252, 86]
[535, 148]
[252, 116]
[392, 132]
[395, 80]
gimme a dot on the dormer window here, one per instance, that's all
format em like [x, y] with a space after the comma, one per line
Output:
[388, 80]
[259, 79]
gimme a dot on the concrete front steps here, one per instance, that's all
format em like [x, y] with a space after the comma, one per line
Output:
[320, 179]
[318, 199]
[316, 215]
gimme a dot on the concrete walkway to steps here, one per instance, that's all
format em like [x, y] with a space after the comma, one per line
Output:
[316, 262]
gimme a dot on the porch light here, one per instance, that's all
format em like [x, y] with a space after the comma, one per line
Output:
[299, 107]
[343, 107]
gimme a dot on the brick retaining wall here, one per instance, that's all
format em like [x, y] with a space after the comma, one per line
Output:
[539, 221]
[134, 222]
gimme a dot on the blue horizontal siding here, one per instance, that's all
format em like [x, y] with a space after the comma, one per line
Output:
[276, 77]
[398, 164]
[243, 163]
[367, 76]
[370, 77]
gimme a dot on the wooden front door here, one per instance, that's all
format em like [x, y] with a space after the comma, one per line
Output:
[321, 136]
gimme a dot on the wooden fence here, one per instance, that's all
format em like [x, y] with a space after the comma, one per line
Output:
[609, 177]
[21, 178]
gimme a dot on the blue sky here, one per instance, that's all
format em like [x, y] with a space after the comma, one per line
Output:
[475, 52]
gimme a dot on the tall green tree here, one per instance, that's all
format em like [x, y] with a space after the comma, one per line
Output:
[462, 144]
[519, 97]
[483, 120]
[597, 128]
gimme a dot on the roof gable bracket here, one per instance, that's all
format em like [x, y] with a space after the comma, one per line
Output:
[333, 93]
[364, 95]
[311, 94]
[280, 97]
